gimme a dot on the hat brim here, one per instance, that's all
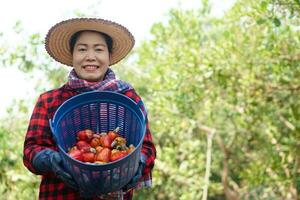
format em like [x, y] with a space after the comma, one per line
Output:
[58, 37]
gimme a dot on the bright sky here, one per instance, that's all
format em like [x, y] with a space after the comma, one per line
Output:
[40, 15]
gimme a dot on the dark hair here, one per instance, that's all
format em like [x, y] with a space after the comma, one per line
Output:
[74, 37]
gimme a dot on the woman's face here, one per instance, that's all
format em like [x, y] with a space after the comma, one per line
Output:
[90, 56]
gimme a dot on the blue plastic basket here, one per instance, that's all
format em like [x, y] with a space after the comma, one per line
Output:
[100, 112]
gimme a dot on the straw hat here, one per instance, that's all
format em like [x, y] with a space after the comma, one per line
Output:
[57, 39]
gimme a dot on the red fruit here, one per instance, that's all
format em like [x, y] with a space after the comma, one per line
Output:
[88, 149]
[113, 134]
[130, 149]
[88, 157]
[98, 149]
[85, 135]
[76, 154]
[96, 135]
[103, 155]
[105, 141]
[116, 155]
[82, 144]
[95, 142]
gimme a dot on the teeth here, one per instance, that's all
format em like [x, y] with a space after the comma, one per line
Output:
[90, 67]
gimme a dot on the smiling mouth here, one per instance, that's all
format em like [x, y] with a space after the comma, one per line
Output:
[90, 67]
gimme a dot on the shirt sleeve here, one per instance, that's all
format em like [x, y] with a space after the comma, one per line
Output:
[148, 148]
[38, 136]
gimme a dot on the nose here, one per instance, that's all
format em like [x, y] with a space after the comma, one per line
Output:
[90, 56]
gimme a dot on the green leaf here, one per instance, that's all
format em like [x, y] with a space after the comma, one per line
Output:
[264, 6]
[260, 21]
[276, 22]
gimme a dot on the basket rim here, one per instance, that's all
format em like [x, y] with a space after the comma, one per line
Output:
[94, 93]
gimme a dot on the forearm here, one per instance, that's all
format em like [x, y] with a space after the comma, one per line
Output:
[32, 147]
[38, 136]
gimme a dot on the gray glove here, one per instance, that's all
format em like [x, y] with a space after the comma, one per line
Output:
[50, 161]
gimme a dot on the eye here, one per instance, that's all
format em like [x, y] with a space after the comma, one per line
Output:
[99, 49]
[81, 49]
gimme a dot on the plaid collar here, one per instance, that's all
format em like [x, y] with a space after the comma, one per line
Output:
[109, 83]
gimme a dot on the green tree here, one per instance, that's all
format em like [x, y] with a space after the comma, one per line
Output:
[237, 75]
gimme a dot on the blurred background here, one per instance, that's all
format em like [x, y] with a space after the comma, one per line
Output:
[220, 80]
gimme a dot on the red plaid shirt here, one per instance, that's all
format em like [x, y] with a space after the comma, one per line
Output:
[39, 137]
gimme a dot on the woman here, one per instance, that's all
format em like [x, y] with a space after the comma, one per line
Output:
[90, 46]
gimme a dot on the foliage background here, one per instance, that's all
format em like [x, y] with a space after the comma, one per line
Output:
[232, 81]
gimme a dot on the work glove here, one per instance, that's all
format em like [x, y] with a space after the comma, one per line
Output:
[50, 161]
[134, 181]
